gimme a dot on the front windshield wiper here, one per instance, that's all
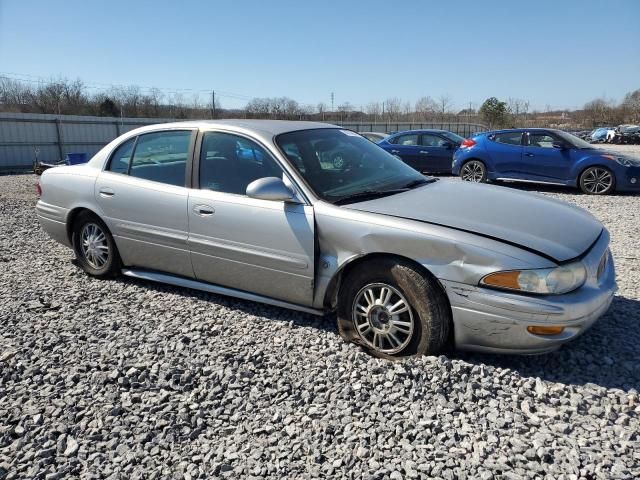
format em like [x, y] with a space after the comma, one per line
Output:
[371, 194]
[367, 195]
[418, 182]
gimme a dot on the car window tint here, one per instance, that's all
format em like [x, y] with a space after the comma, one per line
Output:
[229, 163]
[411, 139]
[508, 138]
[429, 140]
[161, 157]
[121, 157]
[541, 140]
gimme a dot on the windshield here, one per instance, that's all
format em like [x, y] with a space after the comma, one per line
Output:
[453, 137]
[340, 164]
[573, 140]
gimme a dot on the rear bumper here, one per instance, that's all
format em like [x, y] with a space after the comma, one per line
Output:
[494, 321]
[53, 221]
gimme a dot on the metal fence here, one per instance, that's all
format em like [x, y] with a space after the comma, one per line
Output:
[463, 129]
[25, 136]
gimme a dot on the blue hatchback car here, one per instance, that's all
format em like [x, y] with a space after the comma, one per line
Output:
[545, 156]
[429, 151]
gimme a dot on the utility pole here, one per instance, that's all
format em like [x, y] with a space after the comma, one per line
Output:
[332, 96]
[213, 104]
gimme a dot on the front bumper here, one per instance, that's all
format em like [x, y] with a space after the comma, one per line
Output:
[494, 321]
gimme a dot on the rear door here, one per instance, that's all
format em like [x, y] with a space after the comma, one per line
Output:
[505, 150]
[436, 153]
[407, 147]
[543, 161]
[143, 197]
[259, 246]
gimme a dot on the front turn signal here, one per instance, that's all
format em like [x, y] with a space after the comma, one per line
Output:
[545, 330]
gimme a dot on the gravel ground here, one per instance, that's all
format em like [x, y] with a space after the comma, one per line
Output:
[127, 379]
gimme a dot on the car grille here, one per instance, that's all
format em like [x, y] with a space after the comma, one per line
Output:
[602, 266]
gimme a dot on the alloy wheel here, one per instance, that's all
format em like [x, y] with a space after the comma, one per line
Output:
[383, 318]
[597, 180]
[93, 243]
[472, 172]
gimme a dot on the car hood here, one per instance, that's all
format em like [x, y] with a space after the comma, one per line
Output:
[552, 228]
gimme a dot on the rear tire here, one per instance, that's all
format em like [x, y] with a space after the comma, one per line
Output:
[94, 247]
[393, 310]
[474, 171]
[597, 181]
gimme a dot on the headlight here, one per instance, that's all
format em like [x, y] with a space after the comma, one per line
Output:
[625, 162]
[546, 281]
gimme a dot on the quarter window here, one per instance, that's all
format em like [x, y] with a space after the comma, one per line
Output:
[508, 138]
[541, 140]
[121, 157]
[229, 163]
[162, 157]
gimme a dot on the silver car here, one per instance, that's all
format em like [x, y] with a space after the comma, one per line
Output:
[410, 263]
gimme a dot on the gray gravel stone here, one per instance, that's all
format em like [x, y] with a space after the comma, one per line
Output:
[125, 379]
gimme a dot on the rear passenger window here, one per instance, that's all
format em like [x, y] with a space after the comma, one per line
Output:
[121, 157]
[411, 139]
[162, 157]
[508, 138]
[229, 163]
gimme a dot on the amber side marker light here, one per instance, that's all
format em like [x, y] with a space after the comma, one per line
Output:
[545, 330]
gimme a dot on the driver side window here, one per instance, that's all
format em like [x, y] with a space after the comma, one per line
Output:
[229, 163]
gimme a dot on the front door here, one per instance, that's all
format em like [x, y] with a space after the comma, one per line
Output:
[259, 246]
[437, 153]
[143, 196]
[544, 162]
[505, 150]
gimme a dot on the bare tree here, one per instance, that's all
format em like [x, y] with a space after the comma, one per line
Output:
[425, 108]
[444, 106]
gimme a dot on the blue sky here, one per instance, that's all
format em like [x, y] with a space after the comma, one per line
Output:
[557, 53]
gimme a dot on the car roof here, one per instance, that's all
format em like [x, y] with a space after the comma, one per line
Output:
[264, 127]
[422, 130]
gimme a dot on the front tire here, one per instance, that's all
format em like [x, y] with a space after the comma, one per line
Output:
[474, 171]
[597, 181]
[393, 310]
[94, 247]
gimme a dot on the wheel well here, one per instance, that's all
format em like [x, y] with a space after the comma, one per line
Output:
[71, 218]
[584, 169]
[331, 296]
[333, 290]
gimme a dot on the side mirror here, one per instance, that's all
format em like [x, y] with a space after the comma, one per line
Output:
[270, 188]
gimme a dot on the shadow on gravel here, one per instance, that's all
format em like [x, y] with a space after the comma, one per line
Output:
[606, 355]
[270, 312]
[541, 188]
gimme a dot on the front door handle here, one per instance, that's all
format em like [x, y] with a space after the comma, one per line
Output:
[204, 210]
[395, 151]
[106, 192]
[424, 152]
[529, 155]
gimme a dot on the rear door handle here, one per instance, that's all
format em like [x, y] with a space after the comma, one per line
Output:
[204, 210]
[395, 151]
[529, 155]
[424, 152]
[106, 192]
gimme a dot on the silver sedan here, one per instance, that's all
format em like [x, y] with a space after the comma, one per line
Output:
[253, 209]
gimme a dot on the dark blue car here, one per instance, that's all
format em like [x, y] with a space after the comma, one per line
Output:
[545, 156]
[429, 151]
